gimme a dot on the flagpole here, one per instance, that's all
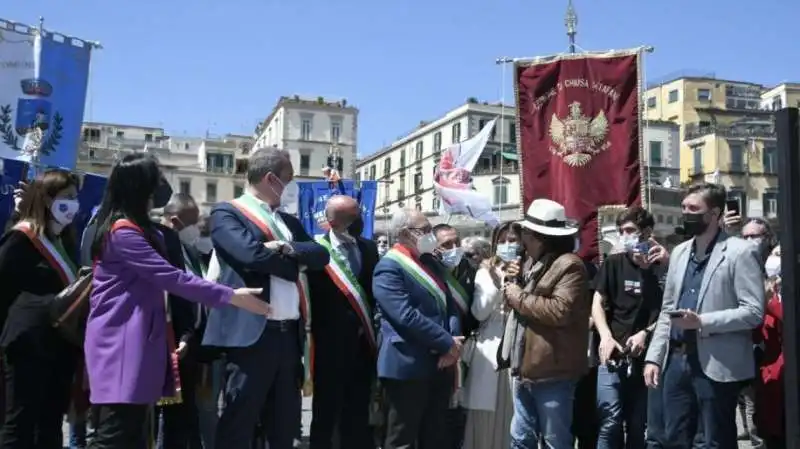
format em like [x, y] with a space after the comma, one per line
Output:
[502, 62]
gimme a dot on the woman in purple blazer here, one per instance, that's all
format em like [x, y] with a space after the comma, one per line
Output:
[127, 355]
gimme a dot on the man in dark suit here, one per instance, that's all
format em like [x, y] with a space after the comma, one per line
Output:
[421, 337]
[180, 428]
[258, 246]
[460, 277]
[344, 333]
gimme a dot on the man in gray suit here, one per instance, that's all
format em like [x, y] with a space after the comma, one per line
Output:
[701, 353]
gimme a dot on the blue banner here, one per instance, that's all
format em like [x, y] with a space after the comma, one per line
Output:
[314, 196]
[43, 85]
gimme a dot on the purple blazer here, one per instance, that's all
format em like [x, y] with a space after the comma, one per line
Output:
[126, 342]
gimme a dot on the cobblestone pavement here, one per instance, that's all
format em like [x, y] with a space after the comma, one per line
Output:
[307, 424]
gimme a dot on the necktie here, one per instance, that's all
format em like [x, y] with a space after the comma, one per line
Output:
[351, 253]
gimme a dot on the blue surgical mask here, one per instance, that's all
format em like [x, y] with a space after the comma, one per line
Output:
[629, 241]
[507, 251]
[452, 257]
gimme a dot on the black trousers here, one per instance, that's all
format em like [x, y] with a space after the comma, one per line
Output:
[37, 389]
[119, 426]
[584, 415]
[181, 428]
[417, 412]
[343, 378]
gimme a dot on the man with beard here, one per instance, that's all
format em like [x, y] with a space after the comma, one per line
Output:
[343, 331]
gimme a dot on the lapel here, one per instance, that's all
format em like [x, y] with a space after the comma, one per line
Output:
[716, 258]
[682, 261]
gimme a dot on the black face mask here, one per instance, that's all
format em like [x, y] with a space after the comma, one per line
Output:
[356, 227]
[694, 224]
[162, 194]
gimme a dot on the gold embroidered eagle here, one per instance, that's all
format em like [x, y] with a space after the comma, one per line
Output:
[578, 138]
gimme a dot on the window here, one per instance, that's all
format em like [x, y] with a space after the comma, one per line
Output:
[456, 132]
[670, 219]
[777, 102]
[148, 137]
[120, 134]
[336, 131]
[372, 172]
[238, 190]
[211, 192]
[651, 102]
[673, 96]
[655, 154]
[770, 205]
[417, 182]
[435, 203]
[737, 157]
[387, 166]
[219, 163]
[402, 159]
[437, 141]
[185, 186]
[186, 146]
[91, 135]
[401, 194]
[418, 152]
[697, 157]
[512, 134]
[703, 94]
[500, 191]
[305, 129]
[305, 164]
[770, 158]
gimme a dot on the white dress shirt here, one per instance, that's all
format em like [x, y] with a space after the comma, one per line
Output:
[283, 294]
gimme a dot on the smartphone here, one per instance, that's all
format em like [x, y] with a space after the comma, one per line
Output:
[732, 205]
[675, 313]
[642, 247]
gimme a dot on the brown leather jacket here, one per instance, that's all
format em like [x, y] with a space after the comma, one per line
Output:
[555, 314]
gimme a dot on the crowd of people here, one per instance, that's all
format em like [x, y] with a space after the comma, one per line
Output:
[190, 333]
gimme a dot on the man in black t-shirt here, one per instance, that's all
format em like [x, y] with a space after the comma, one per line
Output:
[626, 304]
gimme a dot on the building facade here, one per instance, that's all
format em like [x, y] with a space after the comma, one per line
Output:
[210, 169]
[726, 136]
[311, 130]
[784, 95]
[405, 168]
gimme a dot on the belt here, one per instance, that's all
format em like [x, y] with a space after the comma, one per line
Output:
[283, 325]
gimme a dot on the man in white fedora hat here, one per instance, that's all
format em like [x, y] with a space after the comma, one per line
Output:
[544, 343]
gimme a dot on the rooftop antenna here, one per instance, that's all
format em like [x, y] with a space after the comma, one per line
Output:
[571, 22]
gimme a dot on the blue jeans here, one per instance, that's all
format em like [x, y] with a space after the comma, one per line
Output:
[542, 411]
[208, 405]
[655, 432]
[621, 407]
[697, 409]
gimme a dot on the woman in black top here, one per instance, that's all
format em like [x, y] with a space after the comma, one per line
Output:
[36, 262]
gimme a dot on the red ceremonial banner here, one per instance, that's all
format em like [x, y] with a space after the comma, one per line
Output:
[579, 135]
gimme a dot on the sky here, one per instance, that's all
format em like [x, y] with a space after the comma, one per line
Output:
[201, 66]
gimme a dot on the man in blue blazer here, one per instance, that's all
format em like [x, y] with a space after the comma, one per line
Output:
[420, 337]
[257, 245]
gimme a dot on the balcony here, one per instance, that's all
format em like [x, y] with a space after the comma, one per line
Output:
[137, 144]
[509, 168]
[759, 130]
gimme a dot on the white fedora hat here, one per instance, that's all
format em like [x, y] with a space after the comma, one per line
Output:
[548, 218]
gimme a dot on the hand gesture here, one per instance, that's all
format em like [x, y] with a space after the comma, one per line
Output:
[652, 372]
[688, 321]
[732, 219]
[275, 245]
[607, 347]
[446, 361]
[180, 351]
[19, 194]
[245, 298]
[512, 268]
[657, 253]
[636, 343]
[455, 349]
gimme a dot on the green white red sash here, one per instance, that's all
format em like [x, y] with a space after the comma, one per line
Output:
[53, 253]
[340, 273]
[459, 294]
[412, 266]
[251, 207]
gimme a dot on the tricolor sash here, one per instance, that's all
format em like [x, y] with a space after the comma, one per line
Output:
[52, 252]
[459, 294]
[340, 273]
[172, 348]
[412, 266]
[252, 208]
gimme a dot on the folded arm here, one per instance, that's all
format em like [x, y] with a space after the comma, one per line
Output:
[395, 305]
[308, 252]
[240, 248]
[748, 285]
[552, 308]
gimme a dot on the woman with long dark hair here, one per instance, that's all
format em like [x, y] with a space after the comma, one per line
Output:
[37, 261]
[128, 355]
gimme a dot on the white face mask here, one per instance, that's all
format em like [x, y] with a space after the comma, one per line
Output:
[507, 251]
[204, 245]
[290, 194]
[629, 241]
[426, 243]
[64, 211]
[452, 257]
[773, 266]
[189, 235]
